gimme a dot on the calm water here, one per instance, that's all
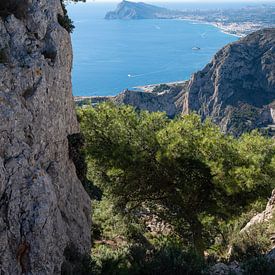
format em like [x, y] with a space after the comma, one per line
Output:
[110, 56]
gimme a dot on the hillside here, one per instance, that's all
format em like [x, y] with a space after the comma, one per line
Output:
[237, 88]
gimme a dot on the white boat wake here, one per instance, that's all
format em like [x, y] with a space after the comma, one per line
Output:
[139, 75]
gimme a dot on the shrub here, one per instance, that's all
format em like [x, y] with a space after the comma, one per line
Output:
[252, 243]
[172, 259]
[77, 263]
[64, 20]
[135, 259]
[161, 88]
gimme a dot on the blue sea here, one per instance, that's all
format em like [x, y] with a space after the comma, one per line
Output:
[110, 56]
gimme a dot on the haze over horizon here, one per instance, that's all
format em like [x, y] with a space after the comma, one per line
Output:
[183, 1]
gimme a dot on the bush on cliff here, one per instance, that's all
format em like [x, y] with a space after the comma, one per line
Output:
[64, 20]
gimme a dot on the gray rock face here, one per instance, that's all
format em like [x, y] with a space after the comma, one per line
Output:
[266, 215]
[43, 206]
[237, 88]
[169, 100]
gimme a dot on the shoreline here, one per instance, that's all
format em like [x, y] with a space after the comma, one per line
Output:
[149, 87]
[214, 24]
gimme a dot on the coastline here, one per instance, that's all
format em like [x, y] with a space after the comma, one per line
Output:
[219, 26]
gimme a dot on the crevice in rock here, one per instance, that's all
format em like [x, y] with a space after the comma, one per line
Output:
[50, 54]
[29, 92]
[28, 135]
[76, 154]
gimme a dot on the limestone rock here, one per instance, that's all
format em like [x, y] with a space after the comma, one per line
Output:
[219, 269]
[43, 206]
[223, 269]
[169, 100]
[237, 89]
[266, 215]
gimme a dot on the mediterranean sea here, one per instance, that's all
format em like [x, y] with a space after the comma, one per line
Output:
[110, 56]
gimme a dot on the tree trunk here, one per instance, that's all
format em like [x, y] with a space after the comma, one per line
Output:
[198, 242]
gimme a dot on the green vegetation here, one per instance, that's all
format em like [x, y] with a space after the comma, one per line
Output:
[64, 20]
[160, 88]
[171, 189]
[243, 119]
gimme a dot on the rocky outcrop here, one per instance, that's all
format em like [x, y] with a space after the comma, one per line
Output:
[163, 98]
[265, 216]
[132, 10]
[237, 88]
[43, 206]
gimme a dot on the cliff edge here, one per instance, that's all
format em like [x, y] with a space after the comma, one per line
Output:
[44, 210]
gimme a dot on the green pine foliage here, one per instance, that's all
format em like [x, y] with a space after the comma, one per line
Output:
[64, 20]
[201, 185]
[185, 172]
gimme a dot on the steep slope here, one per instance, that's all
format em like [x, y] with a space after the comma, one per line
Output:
[168, 99]
[237, 88]
[132, 10]
[44, 209]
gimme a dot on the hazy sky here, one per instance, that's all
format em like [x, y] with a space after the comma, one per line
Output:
[188, 1]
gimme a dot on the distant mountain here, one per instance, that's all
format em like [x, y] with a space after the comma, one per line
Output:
[237, 88]
[131, 10]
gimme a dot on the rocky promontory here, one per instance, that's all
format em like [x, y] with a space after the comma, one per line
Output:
[132, 10]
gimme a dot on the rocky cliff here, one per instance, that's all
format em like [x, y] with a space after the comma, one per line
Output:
[44, 209]
[237, 88]
[166, 98]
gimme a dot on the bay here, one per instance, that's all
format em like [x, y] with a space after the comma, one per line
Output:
[110, 56]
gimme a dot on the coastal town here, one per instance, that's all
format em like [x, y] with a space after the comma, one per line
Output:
[235, 21]
[239, 22]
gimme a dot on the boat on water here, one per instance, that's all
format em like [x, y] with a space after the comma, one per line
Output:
[196, 48]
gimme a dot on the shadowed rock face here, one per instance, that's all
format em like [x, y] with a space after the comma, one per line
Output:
[43, 206]
[238, 87]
